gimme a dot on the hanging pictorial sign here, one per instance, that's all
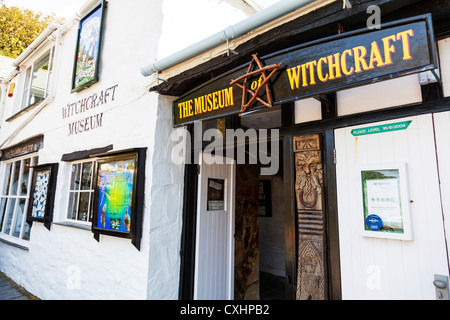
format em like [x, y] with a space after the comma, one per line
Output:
[385, 202]
[338, 62]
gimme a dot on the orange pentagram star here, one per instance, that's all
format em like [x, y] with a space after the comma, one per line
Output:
[260, 84]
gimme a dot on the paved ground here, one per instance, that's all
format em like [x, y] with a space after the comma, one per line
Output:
[11, 291]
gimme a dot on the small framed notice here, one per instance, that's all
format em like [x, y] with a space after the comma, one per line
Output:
[216, 195]
[385, 202]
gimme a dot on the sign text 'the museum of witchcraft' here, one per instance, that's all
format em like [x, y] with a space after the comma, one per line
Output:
[91, 122]
[326, 65]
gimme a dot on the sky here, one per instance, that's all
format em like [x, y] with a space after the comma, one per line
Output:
[66, 8]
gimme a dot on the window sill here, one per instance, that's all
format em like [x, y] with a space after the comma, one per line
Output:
[73, 225]
[13, 242]
[24, 110]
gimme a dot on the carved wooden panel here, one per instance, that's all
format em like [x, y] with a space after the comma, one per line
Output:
[311, 273]
[309, 180]
[309, 142]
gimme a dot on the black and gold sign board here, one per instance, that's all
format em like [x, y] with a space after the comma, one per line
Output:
[338, 62]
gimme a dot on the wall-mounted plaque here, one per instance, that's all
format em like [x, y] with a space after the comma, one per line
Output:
[385, 202]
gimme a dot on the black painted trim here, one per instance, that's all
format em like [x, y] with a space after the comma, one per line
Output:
[187, 248]
[79, 155]
[331, 209]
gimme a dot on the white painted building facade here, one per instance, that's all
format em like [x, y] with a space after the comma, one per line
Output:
[67, 262]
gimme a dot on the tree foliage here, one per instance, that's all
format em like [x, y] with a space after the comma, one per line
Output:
[19, 28]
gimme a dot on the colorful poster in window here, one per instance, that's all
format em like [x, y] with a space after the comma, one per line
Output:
[115, 195]
[87, 53]
[40, 194]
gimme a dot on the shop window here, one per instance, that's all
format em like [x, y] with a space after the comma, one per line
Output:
[81, 193]
[14, 197]
[37, 80]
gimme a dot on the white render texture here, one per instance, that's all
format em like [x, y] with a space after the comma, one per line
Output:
[67, 262]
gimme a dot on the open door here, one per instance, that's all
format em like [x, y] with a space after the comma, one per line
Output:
[214, 258]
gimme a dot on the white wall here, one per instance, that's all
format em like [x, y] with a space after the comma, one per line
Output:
[442, 132]
[112, 268]
[166, 207]
[390, 93]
